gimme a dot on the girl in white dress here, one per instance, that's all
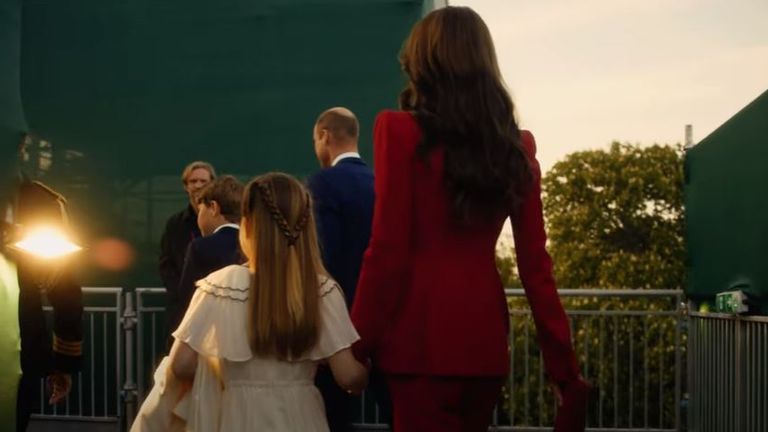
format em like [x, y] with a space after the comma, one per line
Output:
[248, 347]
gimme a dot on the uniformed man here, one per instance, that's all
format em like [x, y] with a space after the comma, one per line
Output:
[54, 357]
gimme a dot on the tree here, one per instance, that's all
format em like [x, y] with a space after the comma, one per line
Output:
[615, 217]
[507, 265]
[614, 221]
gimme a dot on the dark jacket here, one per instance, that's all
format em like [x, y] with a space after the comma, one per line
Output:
[204, 256]
[180, 229]
[344, 197]
[41, 352]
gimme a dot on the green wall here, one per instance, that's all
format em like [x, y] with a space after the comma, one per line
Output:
[121, 95]
[12, 122]
[128, 92]
[726, 199]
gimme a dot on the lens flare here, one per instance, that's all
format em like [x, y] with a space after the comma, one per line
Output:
[112, 254]
[47, 243]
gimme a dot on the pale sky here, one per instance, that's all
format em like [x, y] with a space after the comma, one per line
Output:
[586, 72]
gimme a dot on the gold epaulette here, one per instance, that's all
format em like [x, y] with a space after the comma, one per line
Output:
[68, 348]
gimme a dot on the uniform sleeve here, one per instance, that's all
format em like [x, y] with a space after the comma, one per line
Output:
[66, 298]
[535, 268]
[385, 268]
[38, 204]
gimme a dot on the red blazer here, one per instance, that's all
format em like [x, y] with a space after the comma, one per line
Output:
[429, 299]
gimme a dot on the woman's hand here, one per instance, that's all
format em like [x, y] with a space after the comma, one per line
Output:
[59, 384]
[557, 393]
[557, 390]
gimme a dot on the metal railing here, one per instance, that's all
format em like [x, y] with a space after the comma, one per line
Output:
[95, 393]
[151, 335]
[728, 373]
[630, 347]
[629, 343]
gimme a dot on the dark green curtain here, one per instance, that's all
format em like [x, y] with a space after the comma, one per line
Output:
[726, 199]
[124, 94]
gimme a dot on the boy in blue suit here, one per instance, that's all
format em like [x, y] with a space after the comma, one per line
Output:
[218, 216]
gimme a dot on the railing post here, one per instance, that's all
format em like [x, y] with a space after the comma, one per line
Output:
[129, 387]
[682, 322]
[741, 368]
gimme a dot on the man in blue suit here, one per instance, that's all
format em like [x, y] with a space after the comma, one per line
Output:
[343, 197]
[218, 216]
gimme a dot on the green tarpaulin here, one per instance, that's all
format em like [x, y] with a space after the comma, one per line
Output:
[726, 200]
[122, 95]
[127, 93]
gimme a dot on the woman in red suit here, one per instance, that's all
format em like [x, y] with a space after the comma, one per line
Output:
[450, 168]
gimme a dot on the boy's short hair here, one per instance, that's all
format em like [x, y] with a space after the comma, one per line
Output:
[197, 165]
[227, 191]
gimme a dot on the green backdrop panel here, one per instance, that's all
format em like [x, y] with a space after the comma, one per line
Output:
[124, 94]
[727, 207]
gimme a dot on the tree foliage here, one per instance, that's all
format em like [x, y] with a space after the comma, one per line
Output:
[615, 217]
[614, 221]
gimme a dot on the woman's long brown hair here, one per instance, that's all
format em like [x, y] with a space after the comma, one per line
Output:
[280, 241]
[457, 94]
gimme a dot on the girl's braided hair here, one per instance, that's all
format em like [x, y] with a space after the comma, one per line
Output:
[291, 233]
[284, 259]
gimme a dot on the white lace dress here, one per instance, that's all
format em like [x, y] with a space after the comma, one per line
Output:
[237, 391]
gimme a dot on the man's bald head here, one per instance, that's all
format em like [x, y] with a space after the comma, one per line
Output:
[341, 123]
[336, 132]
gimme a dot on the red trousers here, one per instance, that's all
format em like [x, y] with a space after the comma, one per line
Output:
[445, 404]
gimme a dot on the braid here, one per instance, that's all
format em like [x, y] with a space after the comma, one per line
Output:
[304, 219]
[290, 234]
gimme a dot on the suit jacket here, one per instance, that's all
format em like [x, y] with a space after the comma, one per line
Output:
[343, 197]
[180, 229]
[204, 256]
[430, 300]
[41, 351]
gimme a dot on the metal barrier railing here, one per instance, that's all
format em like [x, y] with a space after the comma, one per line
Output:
[151, 335]
[659, 388]
[629, 344]
[95, 393]
[728, 373]
[638, 382]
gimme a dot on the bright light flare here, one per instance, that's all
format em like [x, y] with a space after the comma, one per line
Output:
[47, 243]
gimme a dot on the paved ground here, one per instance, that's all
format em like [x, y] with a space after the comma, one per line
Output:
[95, 426]
[71, 426]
